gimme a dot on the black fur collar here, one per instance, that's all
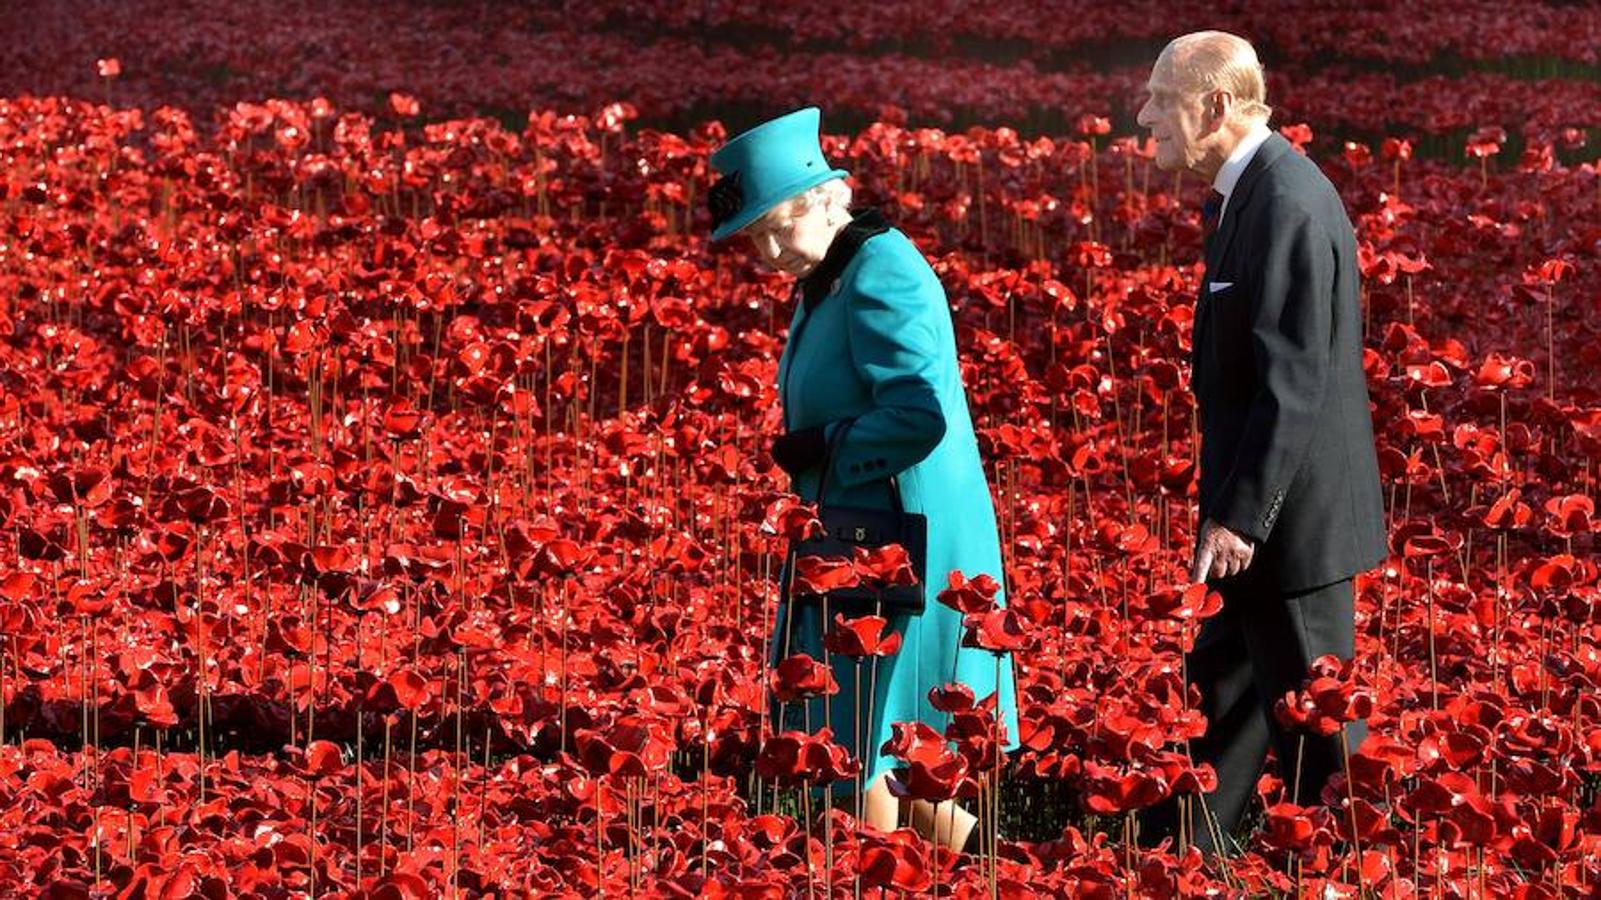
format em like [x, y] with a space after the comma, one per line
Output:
[820, 282]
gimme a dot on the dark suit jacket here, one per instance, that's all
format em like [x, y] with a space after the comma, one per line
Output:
[1287, 454]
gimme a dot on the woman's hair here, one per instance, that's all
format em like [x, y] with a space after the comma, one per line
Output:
[834, 193]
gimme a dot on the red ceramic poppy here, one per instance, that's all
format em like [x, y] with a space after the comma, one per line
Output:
[862, 636]
[799, 677]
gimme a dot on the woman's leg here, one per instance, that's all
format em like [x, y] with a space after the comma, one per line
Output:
[946, 823]
[881, 809]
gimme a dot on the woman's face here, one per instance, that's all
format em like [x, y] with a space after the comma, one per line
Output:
[793, 238]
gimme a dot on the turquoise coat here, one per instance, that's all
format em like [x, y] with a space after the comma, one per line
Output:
[880, 348]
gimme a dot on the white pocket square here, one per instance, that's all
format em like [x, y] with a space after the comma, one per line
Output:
[1216, 286]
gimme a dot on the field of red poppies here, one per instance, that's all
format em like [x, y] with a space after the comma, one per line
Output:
[385, 507]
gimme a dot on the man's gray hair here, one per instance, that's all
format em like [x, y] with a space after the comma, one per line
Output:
[1217, 60]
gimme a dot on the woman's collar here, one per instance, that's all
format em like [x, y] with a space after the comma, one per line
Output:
[820, 281]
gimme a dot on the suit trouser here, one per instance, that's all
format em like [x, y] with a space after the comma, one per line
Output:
[1245, 658]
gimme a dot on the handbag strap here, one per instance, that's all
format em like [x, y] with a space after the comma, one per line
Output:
[828, 463]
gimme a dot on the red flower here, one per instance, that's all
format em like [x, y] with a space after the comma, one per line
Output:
[1554, 832]
[1570, 514]
[914, 741]
[799, 676]
[1330, 699]
[795, 756]
[1193, 602]
[404, 105]
[86, 487]
[401, 419]
[1486, 141]
[1396, 149]
[151, 700]
[89, 599]
[1499, 371]
[323, 758]
[633, 748]
[954, 697]
[978, 735]
[935, 780]
[998, 631]
[1295, 828]
[821, 574]
[889, 565]
[792, 520]
[1299, 135]
[897, 863]
[410, 689]
[565, 557]
[862, 636]
[975, 595]
[1508, 512]
[1109, 789]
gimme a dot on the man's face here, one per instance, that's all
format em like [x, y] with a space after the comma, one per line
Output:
[1175, 115]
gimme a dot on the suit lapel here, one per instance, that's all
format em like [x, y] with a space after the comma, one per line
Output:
[1266, 155]
[1216, 250]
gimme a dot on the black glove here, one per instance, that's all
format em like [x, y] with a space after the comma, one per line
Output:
[800, 450]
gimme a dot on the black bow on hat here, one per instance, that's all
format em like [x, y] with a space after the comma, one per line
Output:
[726, 198]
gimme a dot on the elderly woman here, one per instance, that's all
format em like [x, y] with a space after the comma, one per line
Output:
[871, 344]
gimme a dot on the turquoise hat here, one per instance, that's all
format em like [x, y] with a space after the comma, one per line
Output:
[764, 167]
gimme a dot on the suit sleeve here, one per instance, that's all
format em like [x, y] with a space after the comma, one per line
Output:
[1291, 333]
[896, 352]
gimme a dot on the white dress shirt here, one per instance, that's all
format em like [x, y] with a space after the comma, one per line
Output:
[1234, 166]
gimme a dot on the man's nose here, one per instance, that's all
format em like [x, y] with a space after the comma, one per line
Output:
[1140, 117]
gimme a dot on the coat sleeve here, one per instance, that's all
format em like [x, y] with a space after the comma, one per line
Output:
[1291, 333]
[896, 352]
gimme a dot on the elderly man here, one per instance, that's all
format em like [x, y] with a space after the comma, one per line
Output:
[1290, 504]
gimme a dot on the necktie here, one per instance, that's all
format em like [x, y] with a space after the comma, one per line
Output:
[1210, 213]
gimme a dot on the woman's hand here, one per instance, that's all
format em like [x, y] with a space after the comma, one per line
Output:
[800, 450]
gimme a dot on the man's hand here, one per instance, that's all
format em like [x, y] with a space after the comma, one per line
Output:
[1220, 553]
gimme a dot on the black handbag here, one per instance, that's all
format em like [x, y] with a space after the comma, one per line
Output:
[847, 527]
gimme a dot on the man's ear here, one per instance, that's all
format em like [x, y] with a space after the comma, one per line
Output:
[1219, 103]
